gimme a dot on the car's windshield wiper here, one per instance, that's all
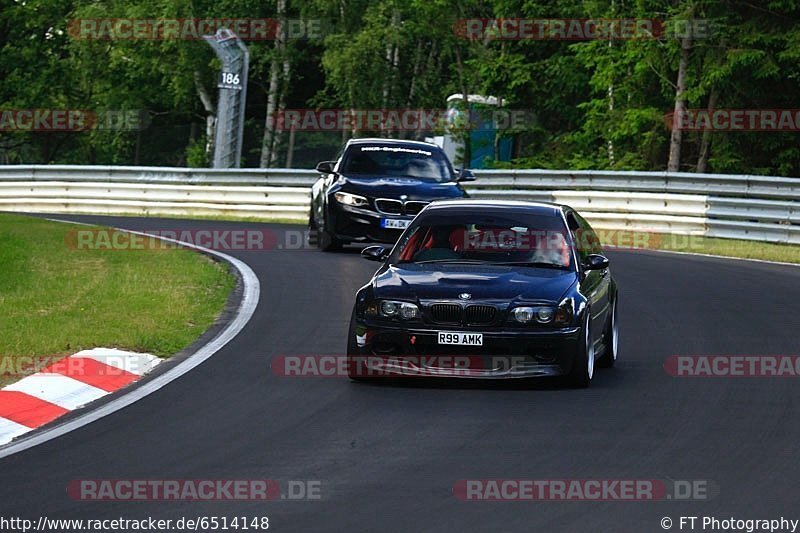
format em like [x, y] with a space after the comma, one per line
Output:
[467, 261]
[537, 264]
[432, 179]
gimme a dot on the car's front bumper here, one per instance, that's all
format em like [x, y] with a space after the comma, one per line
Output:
[394, 350]
[353, 224]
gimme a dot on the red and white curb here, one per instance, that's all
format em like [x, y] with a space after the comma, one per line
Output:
[66, 385]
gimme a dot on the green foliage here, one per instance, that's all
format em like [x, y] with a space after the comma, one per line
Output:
[598, 103]
[196, 156]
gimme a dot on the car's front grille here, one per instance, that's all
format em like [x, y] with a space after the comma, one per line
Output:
[389, 206]
[446, 313]
[412, 208]
[480, 314]
[455, 314]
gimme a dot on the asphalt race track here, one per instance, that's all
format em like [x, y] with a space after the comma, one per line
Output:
[388, 456]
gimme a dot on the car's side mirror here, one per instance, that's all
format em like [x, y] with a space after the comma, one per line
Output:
[465, 174]
[374, 253]
[325, 167]
[595, 262]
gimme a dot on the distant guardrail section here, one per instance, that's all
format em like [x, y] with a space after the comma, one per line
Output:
[732, 206]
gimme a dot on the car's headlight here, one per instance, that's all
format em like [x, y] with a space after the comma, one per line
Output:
[392, 309]
[539, 314]
[546, 314]
[350, 199]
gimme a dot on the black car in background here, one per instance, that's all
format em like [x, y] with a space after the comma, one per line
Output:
[375, 188]
[490, 290]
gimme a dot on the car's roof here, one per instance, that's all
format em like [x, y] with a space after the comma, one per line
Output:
[540, 208]
[399, 142]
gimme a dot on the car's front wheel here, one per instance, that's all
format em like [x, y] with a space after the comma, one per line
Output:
[326, 242]
[312, 229]
[583, 366]
[320, 238]
[610, 339]
[355, 367]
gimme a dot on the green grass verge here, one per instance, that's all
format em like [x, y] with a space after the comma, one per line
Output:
[56, 300]
[782, 253]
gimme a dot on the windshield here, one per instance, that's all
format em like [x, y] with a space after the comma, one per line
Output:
[538, 241]
[397, 161]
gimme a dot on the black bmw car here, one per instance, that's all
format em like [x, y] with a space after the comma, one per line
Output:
[487, 289]
[375, 188]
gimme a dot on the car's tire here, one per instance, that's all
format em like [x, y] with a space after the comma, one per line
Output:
[327, 243]
[610, 338]
[583, 366]
[355, 370]
[321, 238]
[312, 230]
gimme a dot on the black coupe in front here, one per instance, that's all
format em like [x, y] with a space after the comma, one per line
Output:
[375, 188]
[487, 290]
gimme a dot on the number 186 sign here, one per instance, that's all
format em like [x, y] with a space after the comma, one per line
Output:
[229, 80]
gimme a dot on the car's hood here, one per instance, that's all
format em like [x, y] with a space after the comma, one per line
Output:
[390, 187]
[445, 282]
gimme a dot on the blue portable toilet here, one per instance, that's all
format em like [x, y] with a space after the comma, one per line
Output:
[483, 115]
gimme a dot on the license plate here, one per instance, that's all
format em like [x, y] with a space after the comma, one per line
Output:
[461, 339]
[394, 223]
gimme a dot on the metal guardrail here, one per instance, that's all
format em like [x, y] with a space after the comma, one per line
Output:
[743, 207]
